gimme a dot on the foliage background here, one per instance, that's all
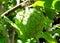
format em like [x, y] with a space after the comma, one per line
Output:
[32, 21]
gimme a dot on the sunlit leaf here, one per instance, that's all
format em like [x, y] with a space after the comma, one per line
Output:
[38, 3]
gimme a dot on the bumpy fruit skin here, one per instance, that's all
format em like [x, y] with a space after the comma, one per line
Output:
[31, 23]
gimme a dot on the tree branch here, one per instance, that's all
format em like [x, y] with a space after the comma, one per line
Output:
[14, 8]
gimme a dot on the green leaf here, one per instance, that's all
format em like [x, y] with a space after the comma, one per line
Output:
[1, 24]
[47, 37]
[53, 3]
[3, 31]
[18, 30]
[1, 39]
[48, 3]
[48, 23]
[55, 31]
[50, 13]
[57, 7]
[45, 3]
[31, 23]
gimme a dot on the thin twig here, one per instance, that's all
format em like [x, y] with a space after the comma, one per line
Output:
[14, 8]
[13, 35]
[37, 41]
